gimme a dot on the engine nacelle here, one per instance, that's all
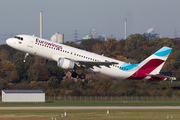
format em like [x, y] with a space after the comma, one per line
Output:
[65, 63]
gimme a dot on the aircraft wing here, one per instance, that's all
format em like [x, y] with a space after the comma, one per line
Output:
[85, 64]
[90, 64]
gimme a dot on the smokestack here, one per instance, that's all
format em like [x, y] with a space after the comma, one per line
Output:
[41, 24]
[125, 29]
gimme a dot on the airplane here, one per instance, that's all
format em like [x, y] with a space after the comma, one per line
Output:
[71, 58]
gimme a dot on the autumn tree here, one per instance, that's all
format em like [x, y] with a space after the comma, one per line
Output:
[38, 72]
[110, 44]
[72, 44]
[40, 60]
[53, 82]
[134, 41]
[56, 71]
[161, 42]
[87, 44]
[120, 47]
[12, 76]
[7, 65]
[4, 54]
[18, 56]
[98, 48]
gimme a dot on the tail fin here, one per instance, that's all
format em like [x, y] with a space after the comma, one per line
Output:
[153, 64]
[156, 61]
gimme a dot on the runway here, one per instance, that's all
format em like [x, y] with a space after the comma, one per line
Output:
[91, 108]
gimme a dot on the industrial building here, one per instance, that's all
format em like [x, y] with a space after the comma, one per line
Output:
[59, 38]
[23, 96]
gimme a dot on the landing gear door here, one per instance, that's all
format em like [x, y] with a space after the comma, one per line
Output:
[31, 41]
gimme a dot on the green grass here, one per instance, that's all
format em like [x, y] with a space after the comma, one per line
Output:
[95, 103]
[89, 114]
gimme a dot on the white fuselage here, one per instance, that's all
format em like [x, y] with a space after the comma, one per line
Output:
[51, 50]
[66, 57]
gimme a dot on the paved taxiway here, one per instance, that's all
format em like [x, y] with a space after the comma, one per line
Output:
[90, 108]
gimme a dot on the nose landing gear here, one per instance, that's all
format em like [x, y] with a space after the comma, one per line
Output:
[26, 55]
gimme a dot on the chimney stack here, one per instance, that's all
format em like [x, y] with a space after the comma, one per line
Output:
[125, 29]
[41, 25]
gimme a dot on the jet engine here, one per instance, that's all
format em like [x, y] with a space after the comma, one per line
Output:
[65, 63]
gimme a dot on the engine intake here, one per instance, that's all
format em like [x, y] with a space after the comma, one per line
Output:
[65, 63]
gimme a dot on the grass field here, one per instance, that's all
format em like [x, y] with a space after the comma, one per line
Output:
[89, 114]
[95, 103]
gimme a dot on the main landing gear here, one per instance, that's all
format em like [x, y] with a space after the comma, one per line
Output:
[75, 75]
[26, 55]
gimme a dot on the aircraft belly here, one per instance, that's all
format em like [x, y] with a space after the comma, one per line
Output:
[114, 72]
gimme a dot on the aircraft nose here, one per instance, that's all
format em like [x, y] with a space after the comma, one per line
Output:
[9, 41]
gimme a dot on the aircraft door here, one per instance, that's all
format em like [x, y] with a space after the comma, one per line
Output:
[31, 41]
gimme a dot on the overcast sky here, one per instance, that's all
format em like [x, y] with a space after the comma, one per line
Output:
[106, 16]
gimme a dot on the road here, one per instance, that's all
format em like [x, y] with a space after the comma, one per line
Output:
[90, 108]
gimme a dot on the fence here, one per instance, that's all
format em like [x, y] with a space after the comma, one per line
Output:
[112, 98]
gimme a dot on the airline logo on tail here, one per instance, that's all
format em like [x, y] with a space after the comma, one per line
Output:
[150, 66]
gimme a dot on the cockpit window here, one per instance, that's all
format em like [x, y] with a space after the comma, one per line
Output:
[20, 38]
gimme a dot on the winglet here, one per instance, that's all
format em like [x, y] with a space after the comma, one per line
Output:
[163, 51]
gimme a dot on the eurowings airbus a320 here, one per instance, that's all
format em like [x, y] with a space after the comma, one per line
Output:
[72, 58]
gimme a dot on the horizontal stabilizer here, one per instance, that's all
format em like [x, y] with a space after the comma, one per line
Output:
[162, 76]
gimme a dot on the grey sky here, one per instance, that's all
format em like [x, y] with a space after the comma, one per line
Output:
[106, 16]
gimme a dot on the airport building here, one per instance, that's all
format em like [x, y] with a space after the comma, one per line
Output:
[23, 96]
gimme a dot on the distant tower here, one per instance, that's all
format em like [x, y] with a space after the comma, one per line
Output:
[175, 35]
[93, 31]
[125, 29]
[75, 35]
[41, 25]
